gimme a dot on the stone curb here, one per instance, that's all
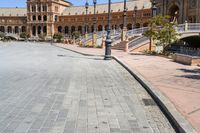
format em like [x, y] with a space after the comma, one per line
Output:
[180, 124]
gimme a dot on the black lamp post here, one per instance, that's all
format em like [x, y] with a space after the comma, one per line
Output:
[86, 21]
[94, 23]
[154, 8]
[108, 37]
[124, 22]
[135, 12]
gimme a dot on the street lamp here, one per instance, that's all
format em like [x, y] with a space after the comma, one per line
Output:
[94, 24]
[108, 37]
[154, 8]
[124, 22]
[154, 13]
[135, 12]
[86, 21]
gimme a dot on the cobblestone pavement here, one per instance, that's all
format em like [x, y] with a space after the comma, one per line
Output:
[44, 89]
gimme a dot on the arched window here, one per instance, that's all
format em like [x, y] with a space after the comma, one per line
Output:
[45, 29]
[34, 30]
[2, 29]
[129, 26]
[80, 29]
[16, 29]
[23, 29]
[34, 17]
[44, 18]
[73, 29]
[60, 29]
[100, 28]
[39, 30]
[9, 29]
[39, 18]
[66, 29]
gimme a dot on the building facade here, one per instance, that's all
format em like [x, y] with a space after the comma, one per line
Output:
[48, 17]
[180, 10]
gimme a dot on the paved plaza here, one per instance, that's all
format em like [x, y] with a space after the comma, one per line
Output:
[178, 82]
[45, 89]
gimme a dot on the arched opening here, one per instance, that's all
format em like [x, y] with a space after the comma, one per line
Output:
[60, 29]
[80, 29]
[121, 26]
[44, 18]
[39, 30]
[39, 18]
[106, 28]
[137, 25]
[34, 18]
[66, 29]
[145, 25]
[9, 29]
[92, 28]
[45, 29]
[73, 29]
[192, 41]
[129, 26]
[100, 28]
[16, 29]
[23, 29]
[34, 30]
[2, 29]
[174, 13]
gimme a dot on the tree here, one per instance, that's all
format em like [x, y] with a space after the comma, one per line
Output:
[58, 37]
[24, 35]
[162, 30]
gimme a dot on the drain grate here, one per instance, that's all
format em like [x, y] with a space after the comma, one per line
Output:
[149, 102]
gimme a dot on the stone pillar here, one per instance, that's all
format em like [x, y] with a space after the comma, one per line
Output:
[186, 26]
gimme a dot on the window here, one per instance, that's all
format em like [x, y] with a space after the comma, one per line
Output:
[39, 18]
[45, 18]
[44, 8]
[56, 9]
[56, 18]
[34, 18]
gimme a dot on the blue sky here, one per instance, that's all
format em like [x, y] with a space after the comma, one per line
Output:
[22, 3]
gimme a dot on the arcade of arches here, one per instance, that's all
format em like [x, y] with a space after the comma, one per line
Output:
[50, 17]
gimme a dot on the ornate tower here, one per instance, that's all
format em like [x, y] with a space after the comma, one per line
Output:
[43, 14]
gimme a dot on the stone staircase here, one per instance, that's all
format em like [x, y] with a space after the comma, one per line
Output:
[138, 44]
[121, 45]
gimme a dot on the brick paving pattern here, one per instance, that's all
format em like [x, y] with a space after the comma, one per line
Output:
[44, 89]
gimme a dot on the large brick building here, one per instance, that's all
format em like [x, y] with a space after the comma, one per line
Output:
[182, 10]
[51, 16]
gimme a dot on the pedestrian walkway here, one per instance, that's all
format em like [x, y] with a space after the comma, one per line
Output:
[45, 89]
[179, 83]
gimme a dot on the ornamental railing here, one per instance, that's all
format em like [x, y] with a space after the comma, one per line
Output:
[190, 51]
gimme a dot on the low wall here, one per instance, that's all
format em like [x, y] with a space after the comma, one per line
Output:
[187, 59]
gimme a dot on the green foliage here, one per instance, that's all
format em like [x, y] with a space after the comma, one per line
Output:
[162, 30]
[24, 35]
[58, 37]
[76, 34]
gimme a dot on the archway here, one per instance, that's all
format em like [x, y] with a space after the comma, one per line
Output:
[34, 30]
[145, 25]
[192, 41]
[100, 28]
[73, 28]
[66, 29]
[9, 29]
[2, 29]
[60, 29]
[80, 29]
[39, 30]
[45, 18]
[23, 29]
[174, 13]
[129, 26]
[16, 29]
[137, 25]
[45, 29]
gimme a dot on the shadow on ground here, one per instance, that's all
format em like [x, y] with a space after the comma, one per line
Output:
[191, 73]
